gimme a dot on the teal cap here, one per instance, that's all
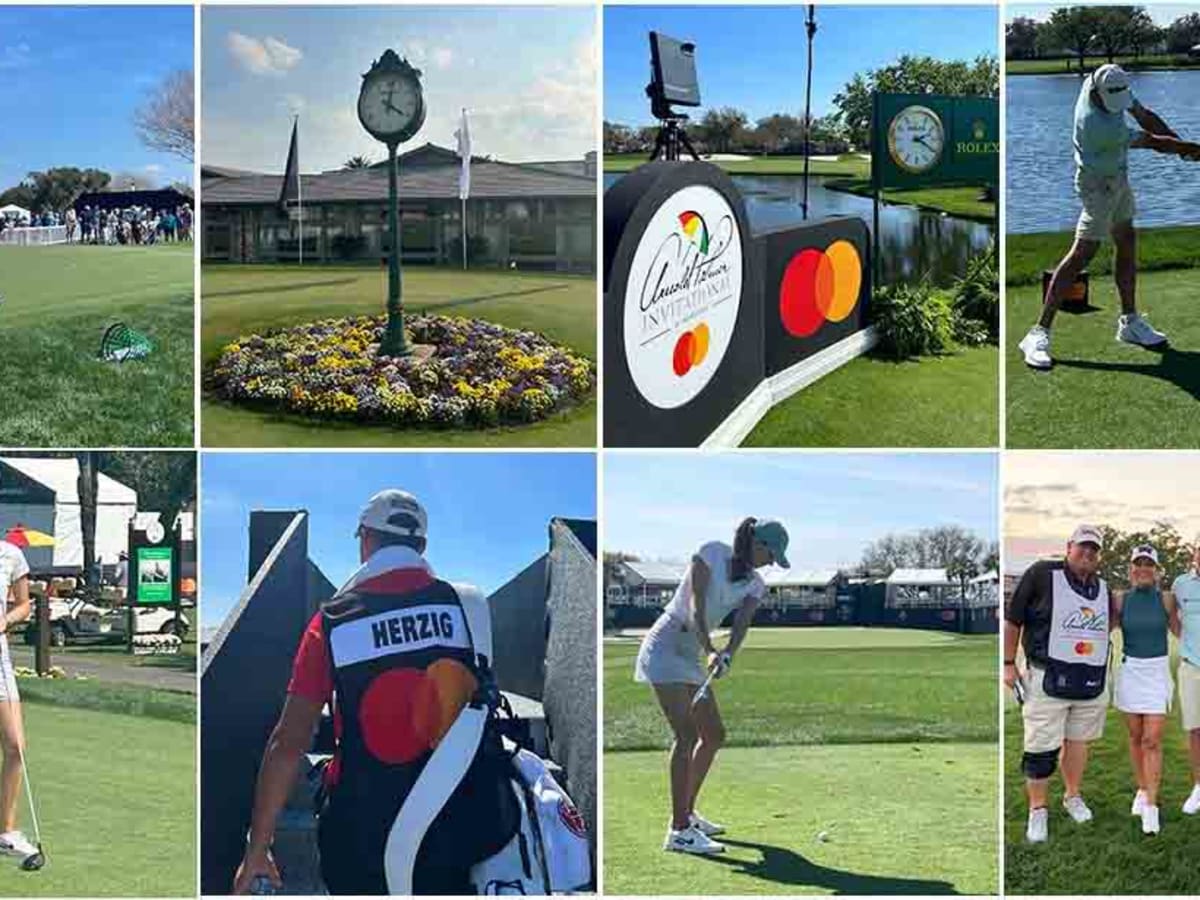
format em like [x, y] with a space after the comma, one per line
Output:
[772, 533]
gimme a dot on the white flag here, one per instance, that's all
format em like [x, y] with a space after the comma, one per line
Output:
[464, 152]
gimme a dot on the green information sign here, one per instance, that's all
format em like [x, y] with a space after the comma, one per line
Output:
[154, 574]
[919, 140]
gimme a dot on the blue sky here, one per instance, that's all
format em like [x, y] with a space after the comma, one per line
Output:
[1161, 13]
[488, 512]
[833, 504]
[527, 76]
[71, 78]
[754, 57]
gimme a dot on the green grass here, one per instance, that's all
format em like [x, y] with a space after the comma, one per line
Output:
[110, 697]
[1098, 393]
[1145, 62]
[850, 165]
[116, 800]
[945, 401]
[961, 202]
[239, 300]
[57, 303]
[1026, 256]
[818, 719]
[1108, 855]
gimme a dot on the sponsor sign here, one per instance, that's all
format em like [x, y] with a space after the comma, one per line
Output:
[923, 139]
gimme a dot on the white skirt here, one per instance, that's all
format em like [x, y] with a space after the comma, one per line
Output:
[8, 678]
[670, 654]
[1144, 686]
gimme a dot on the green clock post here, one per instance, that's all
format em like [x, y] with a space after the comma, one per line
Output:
[391, 108]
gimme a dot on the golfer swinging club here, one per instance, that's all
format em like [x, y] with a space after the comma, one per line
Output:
[14, 580]
[1102, 141]
[719, 580]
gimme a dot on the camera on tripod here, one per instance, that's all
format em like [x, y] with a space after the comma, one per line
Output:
[673, 82]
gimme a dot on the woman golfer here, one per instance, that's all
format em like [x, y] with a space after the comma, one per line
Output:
[720, 580]
[14, 582]
[1144, 615]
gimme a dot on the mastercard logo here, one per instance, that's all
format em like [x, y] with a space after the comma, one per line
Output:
[819, 286]
[405, 713]
[1084, 648]
[690, 349]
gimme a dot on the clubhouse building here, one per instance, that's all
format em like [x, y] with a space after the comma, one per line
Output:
[538, 215]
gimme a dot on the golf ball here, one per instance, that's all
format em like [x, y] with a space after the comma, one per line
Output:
[823, 837]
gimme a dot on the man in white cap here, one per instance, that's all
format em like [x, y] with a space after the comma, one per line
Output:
[392, 653]
[1060, 616]
[1186, 590]
[1102, 140]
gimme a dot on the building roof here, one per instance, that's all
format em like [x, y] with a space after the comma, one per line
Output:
[657, 572]
[929, 577]
[62, 477]
[775, 576]
[993, 575]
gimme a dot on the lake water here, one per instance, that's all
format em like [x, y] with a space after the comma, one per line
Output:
[914, 242]
[1040, 194]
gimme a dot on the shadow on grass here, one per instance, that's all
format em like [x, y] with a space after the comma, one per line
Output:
[781, 866]
[467, 301]
[279, 288]
[1178, 367]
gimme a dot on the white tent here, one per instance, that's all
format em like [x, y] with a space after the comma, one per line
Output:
[43, 494]
[14, 211]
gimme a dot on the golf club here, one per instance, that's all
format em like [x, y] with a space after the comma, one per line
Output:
[35, 861]
[703, 692]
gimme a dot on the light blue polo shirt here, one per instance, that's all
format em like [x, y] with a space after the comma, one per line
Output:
[1187, 596]
[1101, 138]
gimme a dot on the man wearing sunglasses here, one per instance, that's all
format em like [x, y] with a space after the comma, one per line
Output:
[1102, 139]
[1060, 617]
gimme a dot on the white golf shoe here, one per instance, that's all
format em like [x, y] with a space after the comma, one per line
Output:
[691, 840]
[1191, 805]
[1038, 827]
[1077, 809]
[710, 829]
[1036, 348]
[14, 843]
[1133, 329]
[1150, 819]
[1139, 803]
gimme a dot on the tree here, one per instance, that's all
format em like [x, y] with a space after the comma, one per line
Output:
[1073, 28]
[1142, 33]
[931, 548]
[54, 188]
[1174, 553]
[1020, 39]
[184, 188]
[166, 119]
[779, 132]
[616, 137]
[1183, 34]
[357, 162]
[1114, 27]
[721, 127]
[165, 482]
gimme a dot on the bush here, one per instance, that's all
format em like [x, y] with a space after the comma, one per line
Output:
[913, 320]
[348, 246]
[977, 298]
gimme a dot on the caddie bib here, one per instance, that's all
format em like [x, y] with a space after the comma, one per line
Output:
[1077, 648]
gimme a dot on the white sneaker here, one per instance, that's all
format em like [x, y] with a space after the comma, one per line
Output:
[691, 840]
[1133, 329]
[1038, 828]
[1149, 819]
[1036, 347]
[1077, 809]
[14, 843]
[1139, 803]
[710, 829]
[1191, 805]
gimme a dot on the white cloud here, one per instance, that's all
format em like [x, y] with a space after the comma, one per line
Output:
[443, 57]
[153, 169]
[268, 56]
[15, 56]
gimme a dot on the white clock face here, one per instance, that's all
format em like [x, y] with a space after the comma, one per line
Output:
[916, 139]
[155, 531]
[389, 103]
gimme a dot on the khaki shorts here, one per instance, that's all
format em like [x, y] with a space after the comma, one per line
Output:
[1051, 720]
[1189, 695]
[1107, 201]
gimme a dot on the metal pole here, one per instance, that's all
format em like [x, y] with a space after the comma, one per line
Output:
[811, 27]
[464, 232]
[876, 155]
[300, 206]
[393, 339]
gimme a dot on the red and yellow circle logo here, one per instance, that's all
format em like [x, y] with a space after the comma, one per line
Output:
[1084, 648]
[690, 349]
[819, 286]
[405, 713]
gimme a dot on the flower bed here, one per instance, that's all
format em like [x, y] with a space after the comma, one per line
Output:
[480, 375]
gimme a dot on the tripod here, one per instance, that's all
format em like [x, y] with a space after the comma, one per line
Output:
[672, 139]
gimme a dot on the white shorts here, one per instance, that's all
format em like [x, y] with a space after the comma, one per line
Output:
[1107, 201]
[8, 678]
[1144, 686]
[1051, 720]
[1189, 695]
[670, 654]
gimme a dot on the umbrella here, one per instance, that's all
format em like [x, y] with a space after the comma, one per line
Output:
[28, 537]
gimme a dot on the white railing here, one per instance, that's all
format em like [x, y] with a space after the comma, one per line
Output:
[34, 237]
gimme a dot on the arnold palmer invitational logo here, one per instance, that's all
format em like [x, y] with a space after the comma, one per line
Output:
[682, 296]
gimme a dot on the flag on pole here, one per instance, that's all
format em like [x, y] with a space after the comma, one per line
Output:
[291, 172]
[464, 151]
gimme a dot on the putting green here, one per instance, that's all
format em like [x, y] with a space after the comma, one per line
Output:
[1102, 393]
[897, 819]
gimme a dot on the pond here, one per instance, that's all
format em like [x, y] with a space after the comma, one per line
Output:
[1040, 193]
[914, 242]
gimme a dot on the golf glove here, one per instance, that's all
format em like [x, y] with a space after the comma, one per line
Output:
[722, 663]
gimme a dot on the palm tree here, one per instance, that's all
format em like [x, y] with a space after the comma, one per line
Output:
[357, 162]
